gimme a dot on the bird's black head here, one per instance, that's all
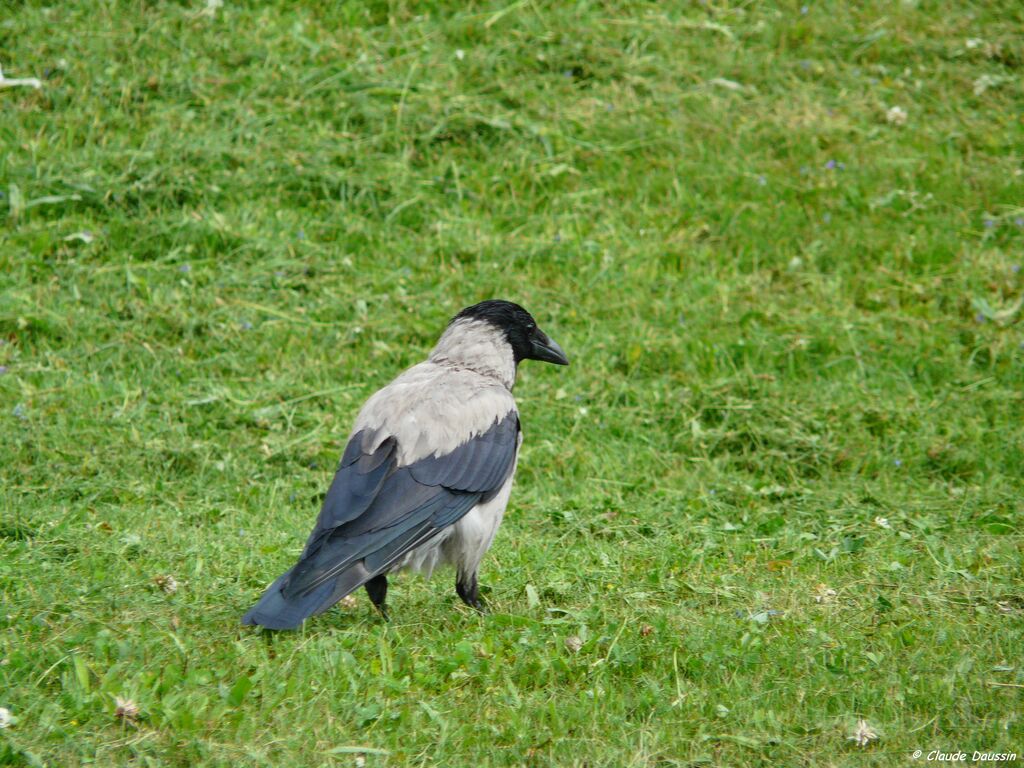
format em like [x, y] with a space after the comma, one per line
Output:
[528, 342]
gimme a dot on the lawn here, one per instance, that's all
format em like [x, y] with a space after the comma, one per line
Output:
[778, 492]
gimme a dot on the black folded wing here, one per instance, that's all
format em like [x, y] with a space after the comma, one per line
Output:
[376, 512]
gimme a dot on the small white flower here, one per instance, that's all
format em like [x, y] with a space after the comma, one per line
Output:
[126, 709]
[460, 54]
[973, 42]
[573, 643]
[882, 522]
[5, 717]
[167, 583]
[896, 116]
[823, 594]
[348, 601]
[863, 734]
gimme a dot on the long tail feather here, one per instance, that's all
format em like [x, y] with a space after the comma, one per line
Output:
[275, 611]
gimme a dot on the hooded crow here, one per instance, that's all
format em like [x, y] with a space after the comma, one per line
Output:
[427, 472]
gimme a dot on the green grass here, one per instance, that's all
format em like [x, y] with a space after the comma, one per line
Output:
[788, 318]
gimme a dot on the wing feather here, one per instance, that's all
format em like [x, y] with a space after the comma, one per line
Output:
[479, 465]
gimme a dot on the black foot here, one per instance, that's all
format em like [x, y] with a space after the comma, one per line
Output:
[377, 589]
[466, 587]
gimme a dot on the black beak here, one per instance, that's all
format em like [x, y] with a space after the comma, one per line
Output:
[547, 350]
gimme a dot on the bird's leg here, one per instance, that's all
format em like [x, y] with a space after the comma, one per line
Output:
[467, 588]
[377, 589]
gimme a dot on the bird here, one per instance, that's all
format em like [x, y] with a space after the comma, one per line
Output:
[426, 474]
